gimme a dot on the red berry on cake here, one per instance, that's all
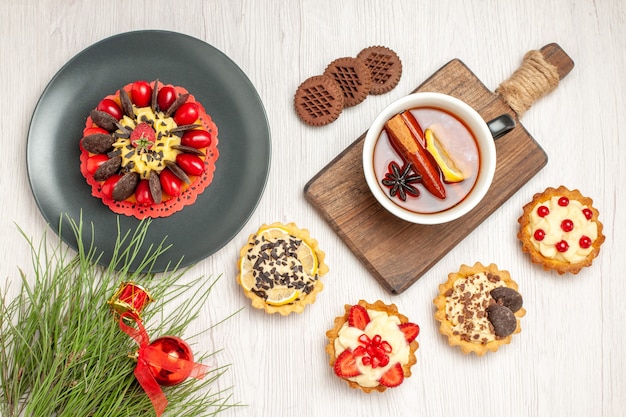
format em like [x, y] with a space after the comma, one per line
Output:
[111, 107]
[186, 114]
[567, 225]
[141, 93]
[166, 97]
[543, 211]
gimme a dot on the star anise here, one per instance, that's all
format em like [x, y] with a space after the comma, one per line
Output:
[399, 181]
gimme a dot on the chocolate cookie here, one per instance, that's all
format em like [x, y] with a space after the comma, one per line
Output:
[385, 67]
[319, 100]
[353, 77]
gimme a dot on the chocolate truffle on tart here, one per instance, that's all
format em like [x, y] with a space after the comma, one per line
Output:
[148, 150]
[560, 230]
[280, 267]
[479, 308]
[372, 346]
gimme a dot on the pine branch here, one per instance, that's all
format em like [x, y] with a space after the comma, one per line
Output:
[62, 352]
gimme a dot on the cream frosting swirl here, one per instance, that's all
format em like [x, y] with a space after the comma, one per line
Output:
[384, 325]
[551, 228]
[467, 303]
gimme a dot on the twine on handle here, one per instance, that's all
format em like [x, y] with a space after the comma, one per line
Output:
[532, 80]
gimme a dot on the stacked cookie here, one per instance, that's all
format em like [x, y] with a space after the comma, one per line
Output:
[346, 82]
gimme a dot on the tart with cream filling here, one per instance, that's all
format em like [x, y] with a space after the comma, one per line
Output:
[560, 230]
[280, 267]
[148, 150]
[479, 308]
[372, 346]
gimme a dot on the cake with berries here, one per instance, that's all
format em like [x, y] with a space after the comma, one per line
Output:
[280, 267]
[560, 230]
[372, 346]
[479, 308]
[149, 149]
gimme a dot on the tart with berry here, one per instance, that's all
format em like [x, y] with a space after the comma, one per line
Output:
[560, 230]
[148, 150]
[280, 267]
[479, 308]
[372, 346]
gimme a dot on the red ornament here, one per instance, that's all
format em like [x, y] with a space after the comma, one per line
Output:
[130, 297]
[178, 357]
[166, 361]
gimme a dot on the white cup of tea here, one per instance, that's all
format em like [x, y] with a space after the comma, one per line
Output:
[454, 163]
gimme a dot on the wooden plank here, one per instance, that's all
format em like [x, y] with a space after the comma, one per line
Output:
[389, 247]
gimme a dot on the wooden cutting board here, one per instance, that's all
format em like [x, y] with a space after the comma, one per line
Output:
[397, 252]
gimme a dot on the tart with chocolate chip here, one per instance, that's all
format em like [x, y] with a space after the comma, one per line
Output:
[479, 308]
[280, 268]
[148, 150]
[372, 346]
[560, 230]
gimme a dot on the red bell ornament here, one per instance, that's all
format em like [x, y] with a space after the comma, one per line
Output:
[130, 297]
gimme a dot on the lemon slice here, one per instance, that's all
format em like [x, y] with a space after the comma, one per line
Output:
[281, 295]
[248, 280]
[272, 233]
[247, 276]
[305, 254]
[307, 258]
[449, 169]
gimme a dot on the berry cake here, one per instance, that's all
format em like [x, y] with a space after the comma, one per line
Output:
[372, 346]
[560, 230]
[479, 308]
[280, 268]
[148, 150]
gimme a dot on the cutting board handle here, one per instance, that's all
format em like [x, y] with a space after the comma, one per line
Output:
[539, 74]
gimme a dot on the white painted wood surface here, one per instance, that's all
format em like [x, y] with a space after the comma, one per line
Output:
[568, 360]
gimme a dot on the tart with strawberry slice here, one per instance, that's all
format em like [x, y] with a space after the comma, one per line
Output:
[560, 230]
[372, 346]
[148, 150]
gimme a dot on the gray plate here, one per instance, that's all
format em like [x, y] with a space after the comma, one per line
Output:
[219, 213]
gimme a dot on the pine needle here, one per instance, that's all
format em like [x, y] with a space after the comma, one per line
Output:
[62, 354]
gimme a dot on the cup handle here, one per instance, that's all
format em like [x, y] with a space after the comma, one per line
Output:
[501, 125]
